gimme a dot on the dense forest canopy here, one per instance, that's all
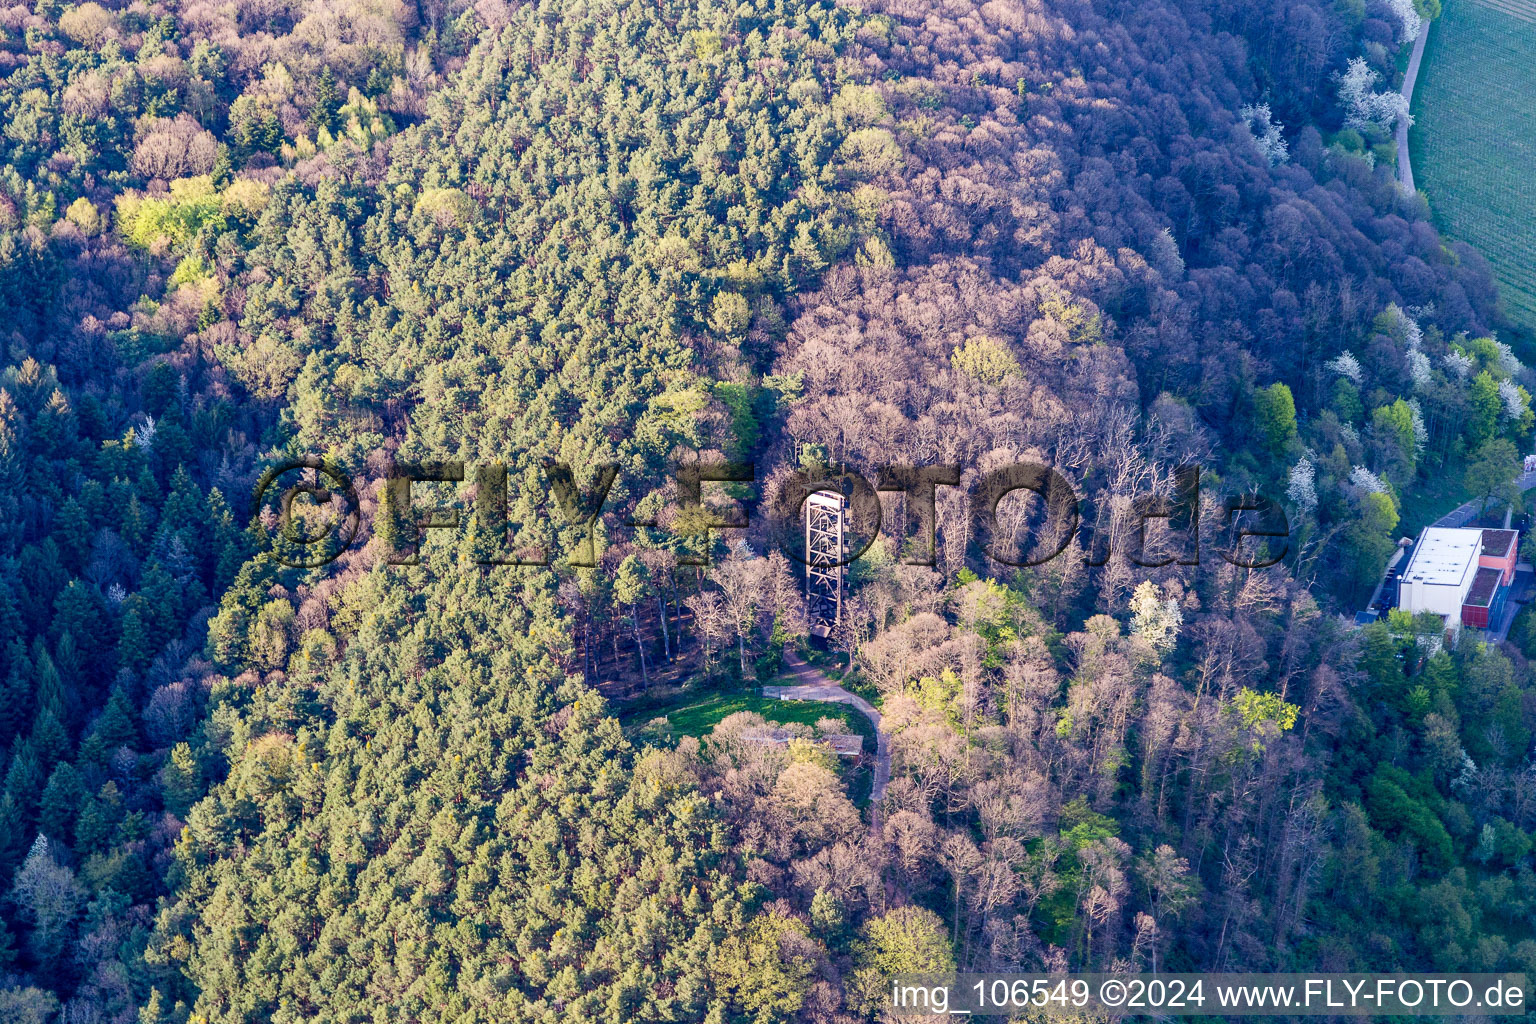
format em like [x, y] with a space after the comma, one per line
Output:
[1111, 238]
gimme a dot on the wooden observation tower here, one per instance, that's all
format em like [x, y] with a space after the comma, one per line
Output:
[826, 515]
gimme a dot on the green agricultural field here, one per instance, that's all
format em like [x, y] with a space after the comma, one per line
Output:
[1474, 143]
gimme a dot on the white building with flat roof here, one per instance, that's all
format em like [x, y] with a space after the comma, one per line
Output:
[1441, 572]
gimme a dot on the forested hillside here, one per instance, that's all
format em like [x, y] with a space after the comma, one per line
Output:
[1112, 238]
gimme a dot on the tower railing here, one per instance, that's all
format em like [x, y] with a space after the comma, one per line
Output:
[825, 547]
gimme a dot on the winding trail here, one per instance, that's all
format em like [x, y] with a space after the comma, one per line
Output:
[806, 682]
[1410, 78]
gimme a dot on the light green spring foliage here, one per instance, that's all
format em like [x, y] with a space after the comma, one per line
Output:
[1264, 714]
[906, 940]
[172, 220]
[986, 359]
[1275, 417]
[937, 693]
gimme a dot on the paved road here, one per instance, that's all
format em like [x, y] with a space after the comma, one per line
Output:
[1498, 629]
[1466, 513]
[1410, 77]
[808, 683]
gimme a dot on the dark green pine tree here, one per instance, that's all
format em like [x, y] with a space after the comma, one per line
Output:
[72, 533]
[159, 389]
[379, 80]
[390, 525]
[135, 647]
[53, 429]
[49, 737]
[16, 694]
[98, 820]
[10, 616]
[115, 725]
[223, 171]
[93, 498]
[185, 510]
[267, 133]
[181, 780]
[327, 101]
[212, 312]
[148, 488]
[80, 612]
[66, 676]
[14, 835]
[160, 604]
[12, 447]
[227, 567]
[226, 542]
[7, 941]
[154, 1011]
[226, 645]
[173, 446]
[193, 594]
[118, 494]
[135, 524]
[40, 575]
[61, 801]
[24, 777]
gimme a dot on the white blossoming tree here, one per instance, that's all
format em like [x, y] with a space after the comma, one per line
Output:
[1154, 618]
[1516, 401]
[1419, 369]
[1303, 486]
[47, 897]
[1408, 16]
[1459, 364]
[1347, 366]
[1266, 133]
[1365, 109]
[1367, 481]
[1420, 431]
[1508, 361]
[144, 433]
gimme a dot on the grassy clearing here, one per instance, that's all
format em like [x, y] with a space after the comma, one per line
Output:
[696, 717]
[1474, 140]
[700, 716]
[1433, 495]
